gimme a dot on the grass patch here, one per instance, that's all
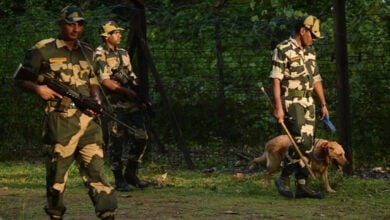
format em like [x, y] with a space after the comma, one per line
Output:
[194, 195]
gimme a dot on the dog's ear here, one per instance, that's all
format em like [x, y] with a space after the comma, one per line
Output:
[329, 151]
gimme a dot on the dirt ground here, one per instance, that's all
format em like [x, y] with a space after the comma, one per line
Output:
[21, 203]
[28, 204]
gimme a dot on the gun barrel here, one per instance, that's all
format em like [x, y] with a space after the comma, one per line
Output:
[79, 99]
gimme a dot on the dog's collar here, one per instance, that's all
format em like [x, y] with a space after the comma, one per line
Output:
[323, 151]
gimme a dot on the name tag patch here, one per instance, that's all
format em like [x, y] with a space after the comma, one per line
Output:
[293, 59]
[111, 59]
[57, 59]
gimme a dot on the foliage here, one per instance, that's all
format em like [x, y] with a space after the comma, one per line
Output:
[369, 79]
[215, 114]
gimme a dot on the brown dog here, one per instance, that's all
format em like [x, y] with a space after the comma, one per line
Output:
[323, 154]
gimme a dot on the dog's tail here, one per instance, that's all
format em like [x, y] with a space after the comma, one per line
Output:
[260, 160]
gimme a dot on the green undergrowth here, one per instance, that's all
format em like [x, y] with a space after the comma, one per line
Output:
[188, 194]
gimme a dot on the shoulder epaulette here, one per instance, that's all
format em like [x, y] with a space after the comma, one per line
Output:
[285, 45]
[43, 43]
[122, 51]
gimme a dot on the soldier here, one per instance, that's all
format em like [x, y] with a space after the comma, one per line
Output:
[70, 133]
[295, 76]
[113, 68]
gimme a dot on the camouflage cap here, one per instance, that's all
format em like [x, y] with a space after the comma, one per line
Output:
[71, 14]
[107, 28]
[312, 23]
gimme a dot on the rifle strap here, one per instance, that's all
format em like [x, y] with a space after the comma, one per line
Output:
[93, 73]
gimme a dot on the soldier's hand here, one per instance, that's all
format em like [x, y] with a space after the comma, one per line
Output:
[324, 112]
[96, 99]
[279, 115]
[91, 112]
[46, 93]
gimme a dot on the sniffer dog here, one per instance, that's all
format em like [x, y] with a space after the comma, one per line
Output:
[323, 154]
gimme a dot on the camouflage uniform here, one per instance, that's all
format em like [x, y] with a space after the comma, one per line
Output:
[70, 135]
[297, 70]
[125, 148]
[294, 64]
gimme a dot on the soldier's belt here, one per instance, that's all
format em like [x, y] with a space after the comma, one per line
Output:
[299, 93]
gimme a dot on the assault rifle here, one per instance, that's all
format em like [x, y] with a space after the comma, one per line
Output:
[81, 101]
[122, 76]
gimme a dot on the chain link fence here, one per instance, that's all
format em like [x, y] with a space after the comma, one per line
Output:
[186, 58]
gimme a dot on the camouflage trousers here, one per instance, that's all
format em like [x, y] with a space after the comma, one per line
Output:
[76, 137]
[124, 145]
[300, 121]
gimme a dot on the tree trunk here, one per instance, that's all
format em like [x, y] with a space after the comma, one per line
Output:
[221, 115]
[340, 35]
[138, 35]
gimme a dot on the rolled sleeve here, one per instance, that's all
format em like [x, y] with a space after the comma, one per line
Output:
[278, 65]
[316, 76]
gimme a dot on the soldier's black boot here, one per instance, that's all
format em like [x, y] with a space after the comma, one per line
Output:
[54, 216]
[302, 191]
[131, 175]
[282, 183]
[120, 182]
